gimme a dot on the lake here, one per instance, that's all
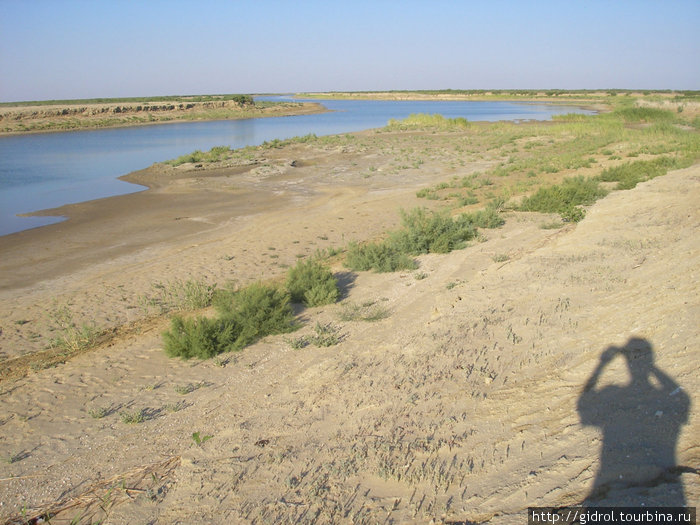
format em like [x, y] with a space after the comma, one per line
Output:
[47, 170]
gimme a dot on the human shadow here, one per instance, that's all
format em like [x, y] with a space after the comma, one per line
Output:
[640, 422]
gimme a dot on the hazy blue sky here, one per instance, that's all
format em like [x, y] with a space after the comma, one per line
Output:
[52, 49]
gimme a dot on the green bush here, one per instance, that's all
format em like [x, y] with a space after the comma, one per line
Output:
[199, 337]
[564, 198]
[258, 310]
[488, 218]
[311, 283]
[244, 317]
[423, 231]
[628, 175]
[431, 232]
[380, 257]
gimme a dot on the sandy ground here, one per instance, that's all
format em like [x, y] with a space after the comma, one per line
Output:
[464, 403]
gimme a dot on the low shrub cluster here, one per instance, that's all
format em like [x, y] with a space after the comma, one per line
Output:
[312, 284]
[278, 143]
[422, 120]
[377, 256]
[628, 175]
[249, 314]
[216, 154]
[244, 317]
[566, 198]
[423, 231]
[431, 232]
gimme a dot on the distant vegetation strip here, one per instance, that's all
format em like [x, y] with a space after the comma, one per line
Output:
[422, 120]
[47, 116]
[506, 93]
[239, 99]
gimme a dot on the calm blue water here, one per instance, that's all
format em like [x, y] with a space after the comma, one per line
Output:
[47, 170]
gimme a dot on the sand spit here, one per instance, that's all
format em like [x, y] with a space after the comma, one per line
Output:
[88, 115]
[464, 403]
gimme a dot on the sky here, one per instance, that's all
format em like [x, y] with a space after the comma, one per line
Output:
[67, 49]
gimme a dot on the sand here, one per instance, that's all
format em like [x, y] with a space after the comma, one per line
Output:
[461, 404]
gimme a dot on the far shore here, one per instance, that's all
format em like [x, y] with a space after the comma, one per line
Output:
[29, 119]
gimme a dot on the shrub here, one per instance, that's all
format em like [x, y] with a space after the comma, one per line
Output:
[628, 175]
[488, 218]
[199, 337]
[564, 198]
[431, 232]
[423, 232]
[215, 154]
[257, 310]
[311, 283]
[245, 317]
[380, 257]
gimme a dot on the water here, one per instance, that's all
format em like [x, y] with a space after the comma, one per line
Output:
[47, 170]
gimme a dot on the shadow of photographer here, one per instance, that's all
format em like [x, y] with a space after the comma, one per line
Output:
[640, 423]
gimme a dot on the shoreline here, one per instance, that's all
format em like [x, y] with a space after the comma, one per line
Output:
[307, 108]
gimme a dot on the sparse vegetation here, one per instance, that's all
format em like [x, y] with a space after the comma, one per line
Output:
[325, 335]
[71, 336]
[132, 417]
[565, 198]
[424, 121]
[278, 143]
[98, 412]
[200, 440]
[423, 232]
[370, 311]
[177, 295]
[183, 390]
[628, 175]
[215, 154]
